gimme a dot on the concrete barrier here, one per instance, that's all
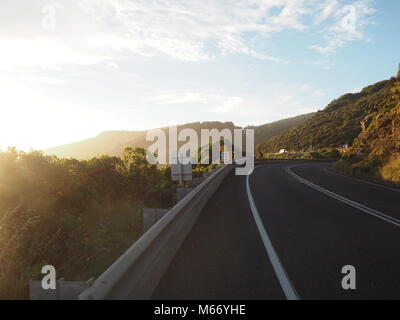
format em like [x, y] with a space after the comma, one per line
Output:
[136, 274]
[197, 181]
[151, 217]
[65, 290]
[181, 193]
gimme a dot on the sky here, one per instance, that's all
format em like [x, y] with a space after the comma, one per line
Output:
[71, 69]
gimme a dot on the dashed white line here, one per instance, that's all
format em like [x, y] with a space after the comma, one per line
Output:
[283, 278]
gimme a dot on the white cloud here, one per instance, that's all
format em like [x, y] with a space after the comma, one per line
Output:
[323, 64]
[277, 101]
[112, 65]
[327, 10]
[349, 24]
[356, 90]
[217, 102]
[45, 53]
[90, 31]
[43, 80]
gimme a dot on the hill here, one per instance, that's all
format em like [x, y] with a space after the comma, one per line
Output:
[114, 142]
[380, 131]
[376, 151]
[338, 124]
[269, 130]
[97, 146]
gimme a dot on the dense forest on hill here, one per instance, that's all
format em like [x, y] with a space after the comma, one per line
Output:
[338, 124]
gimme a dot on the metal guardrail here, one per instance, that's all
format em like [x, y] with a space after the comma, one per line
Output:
[136, 274]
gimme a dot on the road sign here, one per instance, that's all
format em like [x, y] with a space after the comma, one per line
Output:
[179, 171]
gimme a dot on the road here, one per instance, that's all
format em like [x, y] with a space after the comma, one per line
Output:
[285, 232]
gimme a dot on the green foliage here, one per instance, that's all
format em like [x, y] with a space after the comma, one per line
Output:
[76, 215]
[331, 154]
[269, 130]
[323, 154]
[200, 169]
[338, 124]
[378, 142]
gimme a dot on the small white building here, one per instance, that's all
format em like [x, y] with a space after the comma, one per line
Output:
[282, 151]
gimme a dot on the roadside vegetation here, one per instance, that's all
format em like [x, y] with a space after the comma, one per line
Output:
[375, 153]
[368, 122]
[321, 154]
[340, 123]
[76, 215]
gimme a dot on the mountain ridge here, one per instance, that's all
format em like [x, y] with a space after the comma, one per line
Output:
[338, 124]
[115, 141]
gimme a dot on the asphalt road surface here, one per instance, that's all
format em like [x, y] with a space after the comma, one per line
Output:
[286, 232]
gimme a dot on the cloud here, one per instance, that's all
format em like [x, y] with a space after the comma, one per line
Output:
[219, 103]
[112, 65]
[90, 31]
[44, 53]
[323, 64]
[327, 10]
[43, 80]
[349, 24]
[273, 102]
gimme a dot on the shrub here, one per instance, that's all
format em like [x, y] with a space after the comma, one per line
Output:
[78, 216]
[391, 170]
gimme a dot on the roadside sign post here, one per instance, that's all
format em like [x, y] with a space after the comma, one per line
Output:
[179, 171]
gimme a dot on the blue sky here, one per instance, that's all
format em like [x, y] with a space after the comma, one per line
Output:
[72, 69]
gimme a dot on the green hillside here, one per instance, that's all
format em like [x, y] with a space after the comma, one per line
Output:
[269, 130]
[376, 151]
[338, 124]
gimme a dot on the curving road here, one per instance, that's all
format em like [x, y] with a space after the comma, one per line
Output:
[285, 232]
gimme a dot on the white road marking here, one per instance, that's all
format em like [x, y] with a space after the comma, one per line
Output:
[354, 204]
[286, 284]
[363, 181]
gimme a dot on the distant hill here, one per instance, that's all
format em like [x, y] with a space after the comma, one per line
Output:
[104, 143]
[114, 142]
[338, 124]
[269, 130]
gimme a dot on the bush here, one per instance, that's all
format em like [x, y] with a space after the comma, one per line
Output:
[391, 170]
[331, 154]
[78, 216]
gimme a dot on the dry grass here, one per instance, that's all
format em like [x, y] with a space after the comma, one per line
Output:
[391, 170]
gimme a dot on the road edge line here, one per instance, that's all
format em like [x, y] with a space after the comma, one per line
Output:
[280, 272]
